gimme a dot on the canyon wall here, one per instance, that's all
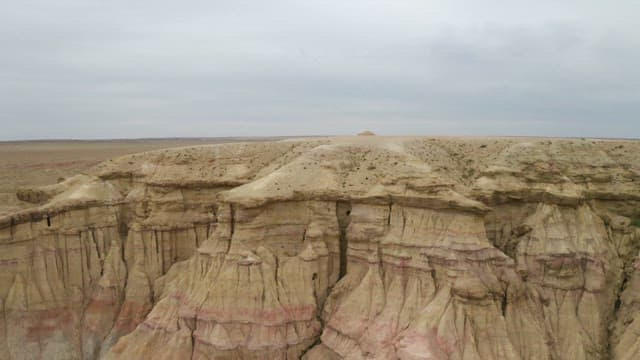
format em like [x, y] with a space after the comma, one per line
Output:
[333, 248]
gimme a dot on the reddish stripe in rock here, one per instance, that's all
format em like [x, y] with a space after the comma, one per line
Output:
[9, 262]
[288, 313]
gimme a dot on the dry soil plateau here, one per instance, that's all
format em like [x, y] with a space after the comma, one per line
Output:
[361, 247]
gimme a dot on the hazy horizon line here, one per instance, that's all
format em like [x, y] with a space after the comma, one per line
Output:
[237, 137]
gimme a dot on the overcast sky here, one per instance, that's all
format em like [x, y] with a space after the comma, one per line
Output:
[121, 69]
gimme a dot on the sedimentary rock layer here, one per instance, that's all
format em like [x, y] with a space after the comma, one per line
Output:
[336, 248]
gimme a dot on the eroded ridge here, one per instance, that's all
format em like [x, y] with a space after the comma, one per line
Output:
[338, 248]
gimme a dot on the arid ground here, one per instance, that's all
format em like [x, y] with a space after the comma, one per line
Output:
[351, 247]
[42, 162]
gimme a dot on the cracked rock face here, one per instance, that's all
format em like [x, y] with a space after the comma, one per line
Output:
[333, 248]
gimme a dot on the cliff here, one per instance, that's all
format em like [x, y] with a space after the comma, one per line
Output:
[336, 248]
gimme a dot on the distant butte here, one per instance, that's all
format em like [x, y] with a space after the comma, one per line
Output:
[366, 133]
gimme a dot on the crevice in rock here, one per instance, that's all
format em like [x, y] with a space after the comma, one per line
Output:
[275, 270]
[214, 214]
[504, 228]
[616, 308]
[343, 213]
[232, 219]
[193, 345]
[628, 268]
[314, 344]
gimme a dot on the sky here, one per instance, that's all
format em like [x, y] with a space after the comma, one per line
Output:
[131, 69]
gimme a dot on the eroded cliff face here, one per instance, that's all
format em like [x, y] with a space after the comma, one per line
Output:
[340, 248]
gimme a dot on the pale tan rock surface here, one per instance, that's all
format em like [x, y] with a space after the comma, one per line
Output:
[360, 247]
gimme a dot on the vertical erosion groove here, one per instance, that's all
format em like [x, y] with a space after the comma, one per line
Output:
[232, 209]
[343, 213]
[504, 302]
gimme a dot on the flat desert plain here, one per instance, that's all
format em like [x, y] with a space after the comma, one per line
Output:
[42, 162]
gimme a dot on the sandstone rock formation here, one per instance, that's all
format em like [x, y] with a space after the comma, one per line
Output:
[333, 248]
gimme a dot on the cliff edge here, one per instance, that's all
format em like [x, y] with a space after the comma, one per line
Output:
[361, 247]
